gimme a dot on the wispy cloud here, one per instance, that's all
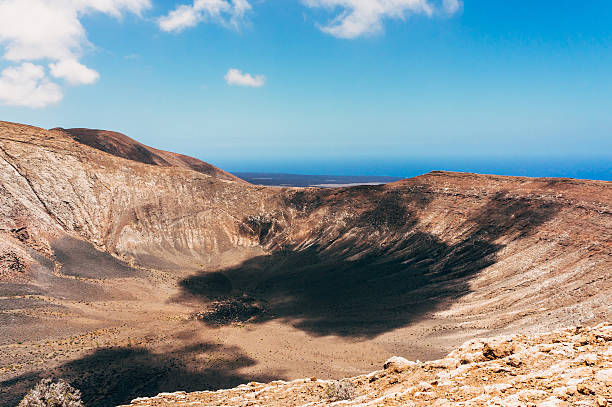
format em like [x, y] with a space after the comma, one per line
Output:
[235, 77]
[49, 31]
[362, 17]
[451, 6]
[227, 13]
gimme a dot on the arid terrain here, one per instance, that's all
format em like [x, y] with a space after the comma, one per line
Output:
[130, 271]
[569, 367]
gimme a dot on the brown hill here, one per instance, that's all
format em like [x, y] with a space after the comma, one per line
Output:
[160, 278]
[120, 145]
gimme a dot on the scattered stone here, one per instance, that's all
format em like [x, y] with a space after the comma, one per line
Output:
[11, 262]
[497, 351]
[514, 361]
[589, 359]
[585, 389]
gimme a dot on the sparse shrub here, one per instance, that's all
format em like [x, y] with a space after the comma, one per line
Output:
[343, 390]
[50, 394]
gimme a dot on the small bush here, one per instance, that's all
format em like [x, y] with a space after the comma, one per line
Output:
[49, 394]
[341, 390]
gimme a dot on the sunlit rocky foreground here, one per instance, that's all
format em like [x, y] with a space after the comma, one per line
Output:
[566, 367]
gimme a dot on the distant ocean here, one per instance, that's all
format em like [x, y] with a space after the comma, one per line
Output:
[375, 171]
[298, 180]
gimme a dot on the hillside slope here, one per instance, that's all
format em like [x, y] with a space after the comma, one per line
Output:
[120, 145]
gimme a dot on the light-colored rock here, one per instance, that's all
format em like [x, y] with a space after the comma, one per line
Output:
[399, 363]
[446, 363]
[604, 376]
[552, 402]
[588, 359]
[514, 360]
[424, 386]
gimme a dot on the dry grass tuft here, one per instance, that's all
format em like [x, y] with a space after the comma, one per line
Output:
[50, 394]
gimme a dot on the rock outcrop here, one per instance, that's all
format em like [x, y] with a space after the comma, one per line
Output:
[153, 216]
[568, 367]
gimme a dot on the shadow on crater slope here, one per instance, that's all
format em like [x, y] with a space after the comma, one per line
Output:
[80, 259]
[114, 376]
[350, 285]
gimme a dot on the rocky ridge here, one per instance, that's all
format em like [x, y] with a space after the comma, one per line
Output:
[120, 145]
[567, 367]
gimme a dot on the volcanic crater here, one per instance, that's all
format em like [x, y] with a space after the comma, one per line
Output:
[131, 271]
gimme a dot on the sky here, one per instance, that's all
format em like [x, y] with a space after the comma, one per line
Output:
[347, 87]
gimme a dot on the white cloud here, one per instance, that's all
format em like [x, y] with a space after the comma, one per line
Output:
[180, 18]
[34, 30]
[74, 72]
[37, 29]
[236, 77]
[362, 17]
[27, 85]
[224, 12]
[451, 6]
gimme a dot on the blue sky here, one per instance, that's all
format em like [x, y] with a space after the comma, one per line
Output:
[320, 86]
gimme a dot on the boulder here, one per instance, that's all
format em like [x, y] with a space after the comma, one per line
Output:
[399, 363]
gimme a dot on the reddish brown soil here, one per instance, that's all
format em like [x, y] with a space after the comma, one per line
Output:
[120, 145]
